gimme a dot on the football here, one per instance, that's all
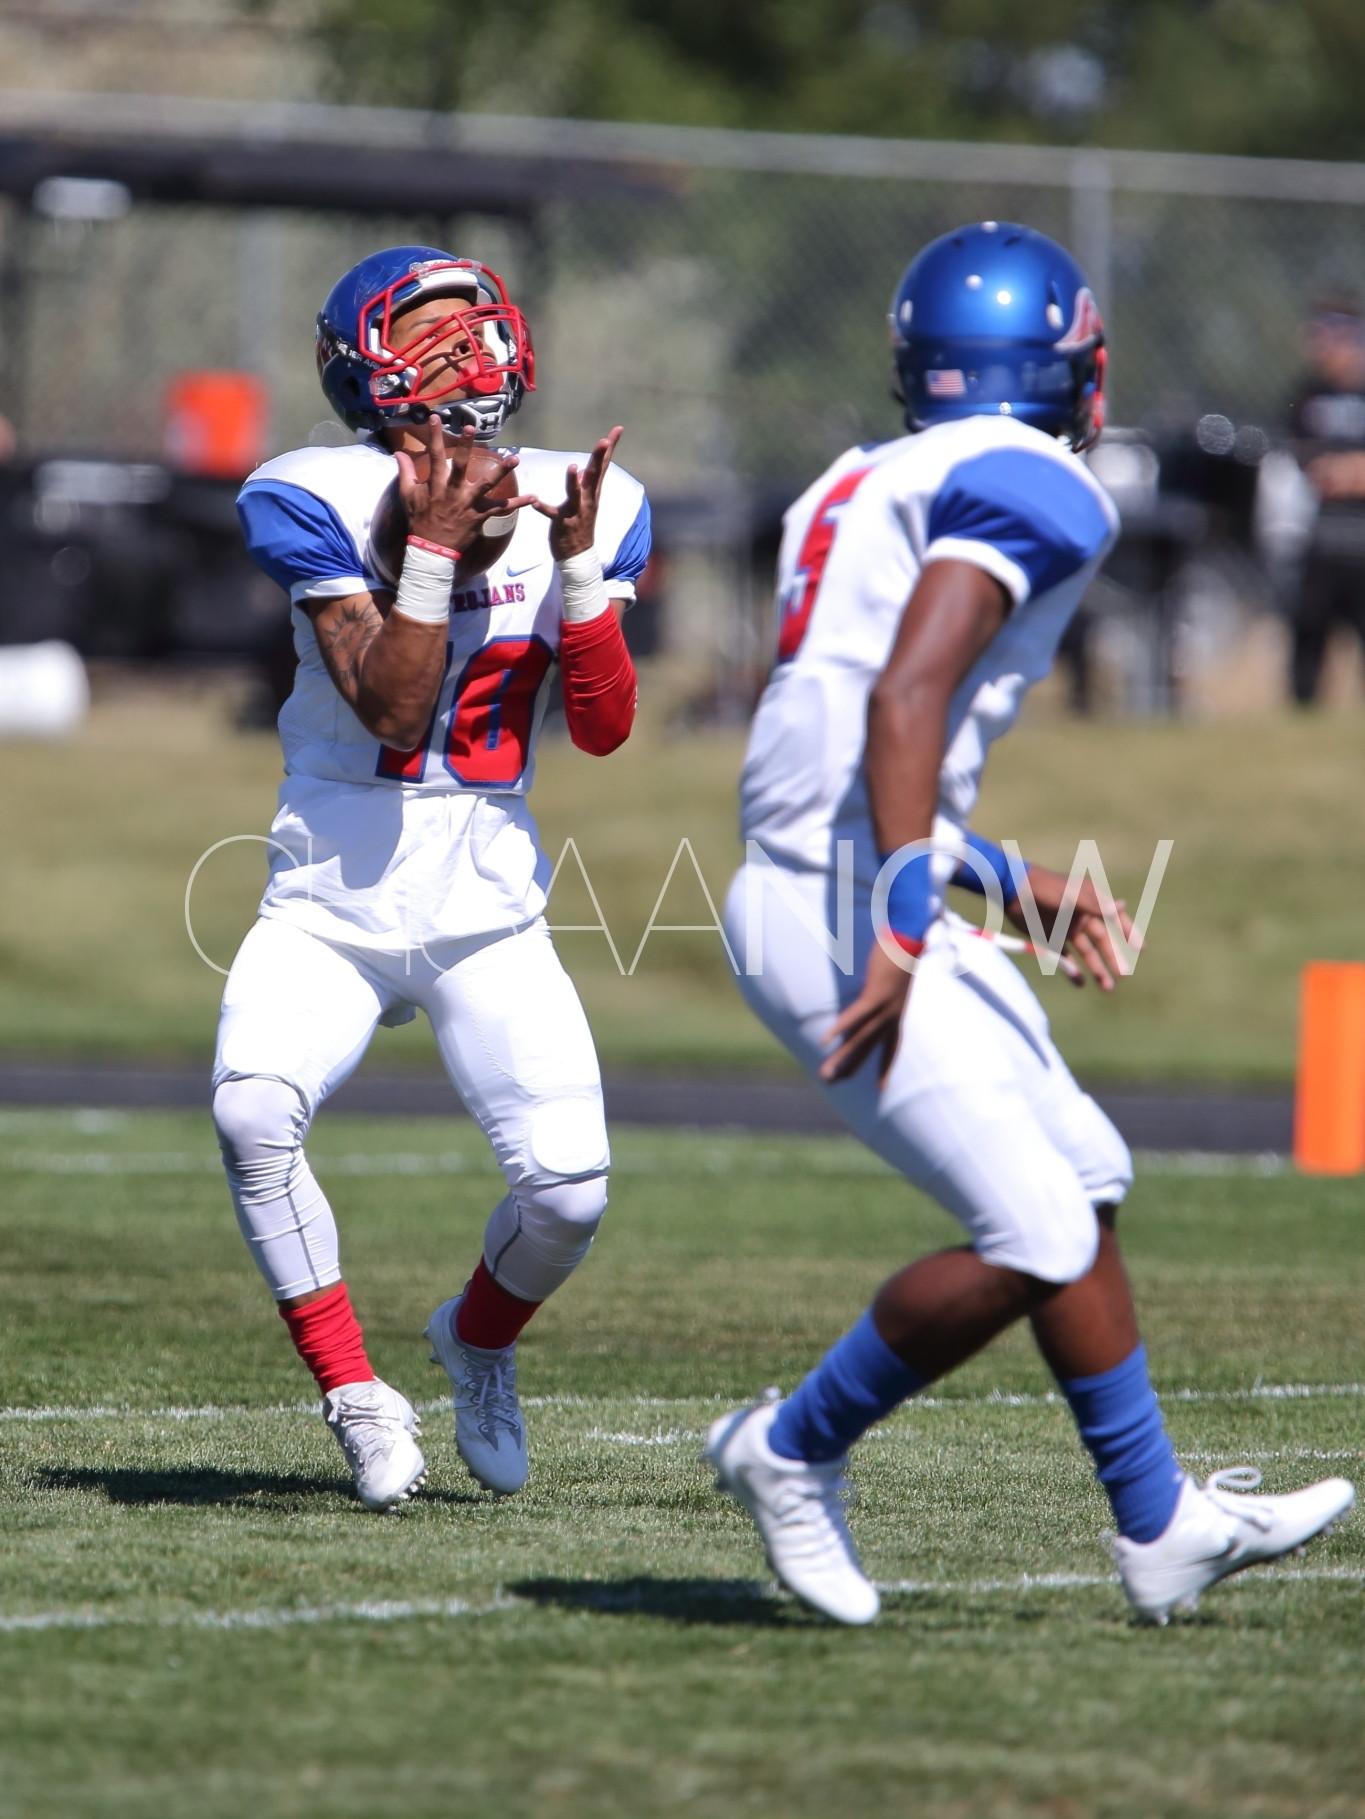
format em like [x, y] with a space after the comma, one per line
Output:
[389, 529]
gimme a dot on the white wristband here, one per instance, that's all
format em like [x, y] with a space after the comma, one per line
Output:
[424, 586]
[585, 595]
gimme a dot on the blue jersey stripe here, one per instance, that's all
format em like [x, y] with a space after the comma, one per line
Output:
[632, 552]
[1036, 511]
[297, 538]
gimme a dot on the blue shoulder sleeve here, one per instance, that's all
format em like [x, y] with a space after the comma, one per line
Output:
[1032, 521]
[297, 538]
[632, 552]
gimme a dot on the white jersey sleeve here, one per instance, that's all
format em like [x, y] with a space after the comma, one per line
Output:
[623, 535]
[986, 490]
[624, 532]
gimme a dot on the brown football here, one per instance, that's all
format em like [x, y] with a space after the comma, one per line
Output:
[389, 530]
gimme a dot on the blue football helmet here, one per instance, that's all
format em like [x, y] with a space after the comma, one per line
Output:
[472, 366]
[996, 319]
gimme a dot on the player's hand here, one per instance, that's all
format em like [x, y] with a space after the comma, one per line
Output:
[1088, 939]
[871, 1025]
[449, 505]
[573, 523]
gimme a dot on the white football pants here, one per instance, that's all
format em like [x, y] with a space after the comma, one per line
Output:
[980, 1111]
[298, 1014]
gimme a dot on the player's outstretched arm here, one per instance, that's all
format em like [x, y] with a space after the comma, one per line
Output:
[954, 612]
[388, 663]
[598, 673]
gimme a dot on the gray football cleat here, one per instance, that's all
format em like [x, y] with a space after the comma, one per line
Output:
[490, 1434]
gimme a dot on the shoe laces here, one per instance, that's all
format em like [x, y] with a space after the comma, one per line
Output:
[1239, 1479]
[489, 1383]
[813, 1502]
[366, 1423]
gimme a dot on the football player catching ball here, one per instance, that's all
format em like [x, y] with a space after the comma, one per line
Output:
[405, 869]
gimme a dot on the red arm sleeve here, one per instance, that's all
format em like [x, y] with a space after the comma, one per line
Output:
[599, 683]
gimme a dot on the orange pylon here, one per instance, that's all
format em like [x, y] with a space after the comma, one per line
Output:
[1329, 1106]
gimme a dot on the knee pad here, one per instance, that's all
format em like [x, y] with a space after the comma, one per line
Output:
[261, 1123]
[538, 1235]
[566, 1142]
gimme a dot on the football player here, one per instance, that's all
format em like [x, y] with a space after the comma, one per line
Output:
[405, 870]
[924, 584]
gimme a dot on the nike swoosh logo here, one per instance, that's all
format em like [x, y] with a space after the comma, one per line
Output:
[525, 569]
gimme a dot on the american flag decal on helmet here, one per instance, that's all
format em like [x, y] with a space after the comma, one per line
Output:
[945, 382]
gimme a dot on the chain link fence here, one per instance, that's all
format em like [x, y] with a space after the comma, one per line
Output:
[728, 305]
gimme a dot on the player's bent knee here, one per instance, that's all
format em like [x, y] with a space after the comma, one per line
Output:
[258, 1119]
[1073, 1249]
[1057, 1246]
[579, 1204]
[1107, 1172]
[541, 1232]
[562, 1217]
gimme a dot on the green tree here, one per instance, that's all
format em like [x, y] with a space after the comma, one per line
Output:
[1256, 76]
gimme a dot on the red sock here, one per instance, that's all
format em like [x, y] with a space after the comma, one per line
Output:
[488, 1316]
[328, 1338]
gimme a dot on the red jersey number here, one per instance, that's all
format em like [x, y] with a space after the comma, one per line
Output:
[494, 711]
[797, 601]
[488, 727]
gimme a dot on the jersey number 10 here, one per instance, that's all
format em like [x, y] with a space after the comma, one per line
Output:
[796, 602]
[486, 731]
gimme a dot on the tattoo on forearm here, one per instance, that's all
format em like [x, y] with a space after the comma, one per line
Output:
[344, 637]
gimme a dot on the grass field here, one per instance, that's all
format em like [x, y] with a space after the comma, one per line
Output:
[196, 1618]
[99, 837]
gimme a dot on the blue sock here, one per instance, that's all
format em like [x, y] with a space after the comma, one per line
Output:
[1120, 1422]
[856, 1382]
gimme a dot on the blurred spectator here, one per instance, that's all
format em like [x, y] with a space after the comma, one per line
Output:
[1327, 423]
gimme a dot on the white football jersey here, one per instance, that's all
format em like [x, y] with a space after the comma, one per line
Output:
[389, 848]
[985, 490]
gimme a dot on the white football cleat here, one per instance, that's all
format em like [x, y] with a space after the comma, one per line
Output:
[1217, 1530]
[490, 1434]
[798, 1510]
[376, 1429]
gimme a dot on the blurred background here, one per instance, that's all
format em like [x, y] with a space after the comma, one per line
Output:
[703, 210]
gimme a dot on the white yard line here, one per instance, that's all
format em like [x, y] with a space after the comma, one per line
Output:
[673, 1436]
[200, 1162]
[1256, 1392]
[259, 1617]
[758, 1153]
[1065, 1582]
[1277, 1452]
[605, 1597]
